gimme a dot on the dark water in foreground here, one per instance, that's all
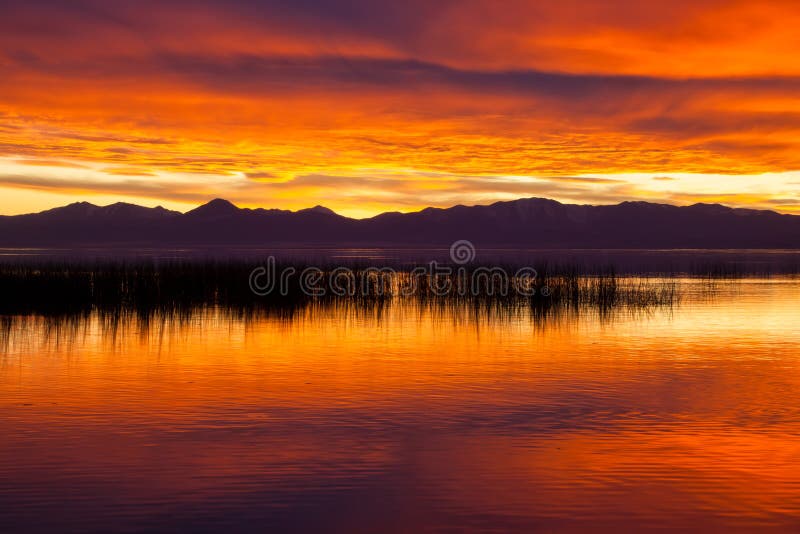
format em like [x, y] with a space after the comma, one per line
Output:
[409, 419]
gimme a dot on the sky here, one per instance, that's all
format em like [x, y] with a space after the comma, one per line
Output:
[367, 106]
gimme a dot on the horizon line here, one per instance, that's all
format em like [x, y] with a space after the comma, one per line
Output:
[322, 207]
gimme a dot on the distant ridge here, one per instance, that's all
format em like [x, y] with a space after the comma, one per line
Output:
[523, 223]
[216, 208]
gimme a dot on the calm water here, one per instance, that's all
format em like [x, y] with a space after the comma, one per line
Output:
[409, 419]
[695, 261]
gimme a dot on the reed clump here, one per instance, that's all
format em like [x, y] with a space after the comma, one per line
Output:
[144, 287]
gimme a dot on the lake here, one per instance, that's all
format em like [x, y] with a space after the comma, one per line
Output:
[407, 417]
[631, 261]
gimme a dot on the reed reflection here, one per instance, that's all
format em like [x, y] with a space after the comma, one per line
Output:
[470, 415]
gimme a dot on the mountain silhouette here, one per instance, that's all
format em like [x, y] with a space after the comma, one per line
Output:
[216, 208]
[528, 223]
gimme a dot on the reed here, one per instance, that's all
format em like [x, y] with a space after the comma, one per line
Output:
[145, 287]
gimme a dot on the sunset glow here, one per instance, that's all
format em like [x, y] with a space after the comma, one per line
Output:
[368, 107]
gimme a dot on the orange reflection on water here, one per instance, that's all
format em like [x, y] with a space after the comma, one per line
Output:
[676, 417]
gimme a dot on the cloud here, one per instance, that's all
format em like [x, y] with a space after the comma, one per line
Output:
[393, 105]
[50, 163]
[127, 171]
[267, 177]
[677, 39]
[783, 201]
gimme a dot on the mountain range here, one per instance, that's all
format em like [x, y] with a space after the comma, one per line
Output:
[528, 223]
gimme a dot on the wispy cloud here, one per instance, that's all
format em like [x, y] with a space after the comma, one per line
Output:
[374, 106]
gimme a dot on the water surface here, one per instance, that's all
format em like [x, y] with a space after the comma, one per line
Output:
[631, 261]
[408, 418]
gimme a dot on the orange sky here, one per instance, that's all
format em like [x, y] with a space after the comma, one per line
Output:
[368, 106]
